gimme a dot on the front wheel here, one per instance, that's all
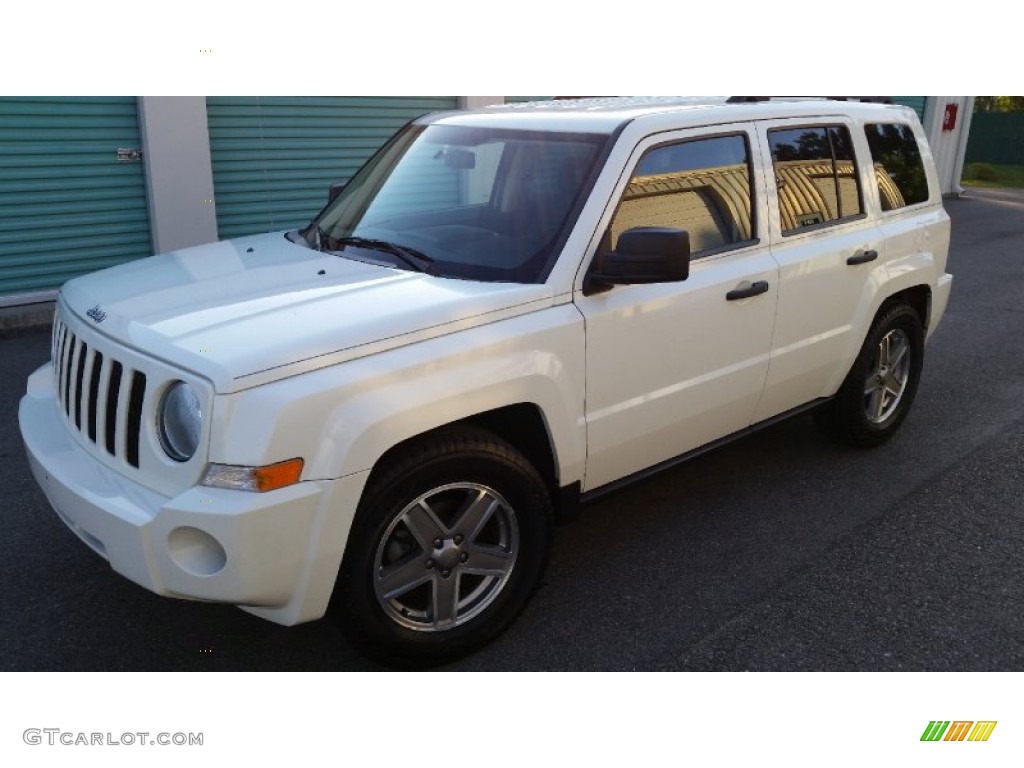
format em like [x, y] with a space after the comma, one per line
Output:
[880, 388]
[449, 542]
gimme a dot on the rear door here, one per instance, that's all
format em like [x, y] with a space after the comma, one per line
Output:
[829, 251]
[911, 217]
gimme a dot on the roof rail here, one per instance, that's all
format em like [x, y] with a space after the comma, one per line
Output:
[758, 99]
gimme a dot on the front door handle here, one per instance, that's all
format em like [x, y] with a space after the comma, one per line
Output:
[755, 289]
[862, 257]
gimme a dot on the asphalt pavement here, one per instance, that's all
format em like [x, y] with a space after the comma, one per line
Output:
[782, 551]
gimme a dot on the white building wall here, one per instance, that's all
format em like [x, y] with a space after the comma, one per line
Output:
[475, 102]
[948, 147]
[179, 176]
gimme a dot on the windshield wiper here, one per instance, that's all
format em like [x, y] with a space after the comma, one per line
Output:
[410, 256]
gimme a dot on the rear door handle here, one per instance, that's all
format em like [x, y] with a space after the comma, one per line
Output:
[862, 257]
[755, 289]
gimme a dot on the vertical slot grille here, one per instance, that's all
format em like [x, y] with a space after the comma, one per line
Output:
[68, 365]
[113, 393]
[83, 352]
[94, 393]
[102, 398]
[135, 417]
[58, 359]
[54, 336]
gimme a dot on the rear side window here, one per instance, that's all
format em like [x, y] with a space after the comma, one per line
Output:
[898, 165]
[816, 176]
[700, 185]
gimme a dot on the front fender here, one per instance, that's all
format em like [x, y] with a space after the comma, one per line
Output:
[342, 419]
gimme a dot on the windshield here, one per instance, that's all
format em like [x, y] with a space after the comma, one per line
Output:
[474, 203]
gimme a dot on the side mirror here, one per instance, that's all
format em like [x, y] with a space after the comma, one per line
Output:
[644, 255]
[334, 190]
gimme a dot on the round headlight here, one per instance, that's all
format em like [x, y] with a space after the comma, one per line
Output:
[179, 421]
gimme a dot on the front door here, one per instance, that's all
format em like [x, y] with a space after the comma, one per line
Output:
[673, 366]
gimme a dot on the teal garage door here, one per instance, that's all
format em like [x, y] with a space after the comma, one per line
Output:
[274, 157]
[916, 103]
[67, 204]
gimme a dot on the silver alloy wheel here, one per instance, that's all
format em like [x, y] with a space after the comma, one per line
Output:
[887, 377]
[446, 557]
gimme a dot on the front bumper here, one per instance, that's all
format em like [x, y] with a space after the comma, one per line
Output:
[274, 554]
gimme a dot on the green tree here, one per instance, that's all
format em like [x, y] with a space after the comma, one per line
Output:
[999, 103]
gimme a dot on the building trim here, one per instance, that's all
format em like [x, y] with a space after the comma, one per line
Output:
[179, 173]
[475, 102]
[24, 299]
[948, 147]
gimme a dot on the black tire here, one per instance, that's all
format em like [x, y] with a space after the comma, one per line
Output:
[875, 396]
[476, 577]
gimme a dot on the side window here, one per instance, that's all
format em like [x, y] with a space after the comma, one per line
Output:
[816, 176]
[700, 185]
[898, 166]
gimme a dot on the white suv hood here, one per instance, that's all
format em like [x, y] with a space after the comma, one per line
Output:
[263, 305]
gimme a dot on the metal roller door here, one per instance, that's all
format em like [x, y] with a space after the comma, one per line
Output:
[916, 103]
[274, 157]
[68, 206]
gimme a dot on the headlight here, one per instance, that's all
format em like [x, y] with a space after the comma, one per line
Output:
[179, 421]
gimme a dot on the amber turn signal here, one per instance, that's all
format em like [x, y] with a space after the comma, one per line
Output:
[258, 479]
[278, 475]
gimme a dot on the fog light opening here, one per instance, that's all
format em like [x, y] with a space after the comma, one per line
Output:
[196, 551]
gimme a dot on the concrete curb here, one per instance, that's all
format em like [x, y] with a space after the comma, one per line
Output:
[30, 318]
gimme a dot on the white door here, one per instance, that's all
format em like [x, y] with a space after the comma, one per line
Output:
[673, 366]
[830, 254]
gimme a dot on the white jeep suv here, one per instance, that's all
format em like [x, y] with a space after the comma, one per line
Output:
[504, 313]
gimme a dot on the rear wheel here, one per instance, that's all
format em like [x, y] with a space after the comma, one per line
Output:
[880, 388]
[449, 543]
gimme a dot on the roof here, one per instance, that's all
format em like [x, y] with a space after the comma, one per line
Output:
[606, 114]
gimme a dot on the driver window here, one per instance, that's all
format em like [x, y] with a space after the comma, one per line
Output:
[700, 185]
